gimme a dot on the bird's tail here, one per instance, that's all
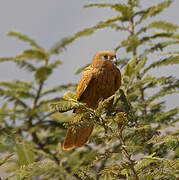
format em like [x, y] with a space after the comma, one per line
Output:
[78, 137]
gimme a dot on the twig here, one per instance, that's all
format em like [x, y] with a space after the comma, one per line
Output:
[41, 146]
[127, 155]
[131, 25]
[131, 30]
[34, 105]
[124, 150]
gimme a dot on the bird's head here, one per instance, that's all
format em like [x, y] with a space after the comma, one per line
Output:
[103, 57]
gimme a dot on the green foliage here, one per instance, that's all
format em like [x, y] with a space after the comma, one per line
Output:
[81, 69]
[63, 106]
[136, 138]
[164, 62]
[61, 45]
[25, 116]
[24, 38]
[152, 10]
[151, 167]
[125, 9]
[37, 54]
[34, 169]
[166, 26]
[42, 73]
[24, 153]
[5, 160]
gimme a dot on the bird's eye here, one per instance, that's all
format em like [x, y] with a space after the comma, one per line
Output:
[106, 56]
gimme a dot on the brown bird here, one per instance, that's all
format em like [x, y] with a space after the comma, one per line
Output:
[99, 81]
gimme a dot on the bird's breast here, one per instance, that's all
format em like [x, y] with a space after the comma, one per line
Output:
[105, 83]
[102, 87]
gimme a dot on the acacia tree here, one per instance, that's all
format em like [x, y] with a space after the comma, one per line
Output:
[127, 143]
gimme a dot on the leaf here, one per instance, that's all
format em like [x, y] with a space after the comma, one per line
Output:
[152, 82]
[166, 26]
[167, 117]
[172, 142]
[12, 97]
[55, 64]
[128, 70]
[140, 83]
[163, 62]
[98, 5]
[34, 169]
[160, 47]
[81, 69]
[140, 65]
[70, 86]
[63, 106]
[121, 119]
[125, 9]
[84, 32]
[104, 105]
[120, 101]
[133, 95]
[133, 68]
[42, 73]
[111, 172]
[152, 11]
[37, 53]
[151, 167]
[24, 153]
[24, 38]
[19, 84]
[3, 113]
[21, 63]
[160, 94]
[5, 160]
[122, 62]
[20, 89]
[69, 96]
[4, 59]
[49, 100]
[131, 43]
[155, 36]
[61, 45]
[109, 23]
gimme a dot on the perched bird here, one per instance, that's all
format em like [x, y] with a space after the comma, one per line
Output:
[99, 81]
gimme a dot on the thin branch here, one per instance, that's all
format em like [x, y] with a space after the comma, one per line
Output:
[41, 146]
[46, 116]
[127, 155]
[131, 25]
[34, 105]
[131, 29]
[124, 150]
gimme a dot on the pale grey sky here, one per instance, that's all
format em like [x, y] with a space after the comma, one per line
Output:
[47, 21]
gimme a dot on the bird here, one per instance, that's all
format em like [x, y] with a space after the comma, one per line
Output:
[100, 80]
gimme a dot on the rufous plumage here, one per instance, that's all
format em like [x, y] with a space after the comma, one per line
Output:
[99, 81]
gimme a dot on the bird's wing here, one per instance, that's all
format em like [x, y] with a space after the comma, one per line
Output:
[84, 82]
[118, 79]
[81, 134]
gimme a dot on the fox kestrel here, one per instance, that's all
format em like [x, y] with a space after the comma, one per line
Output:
[99, 81]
